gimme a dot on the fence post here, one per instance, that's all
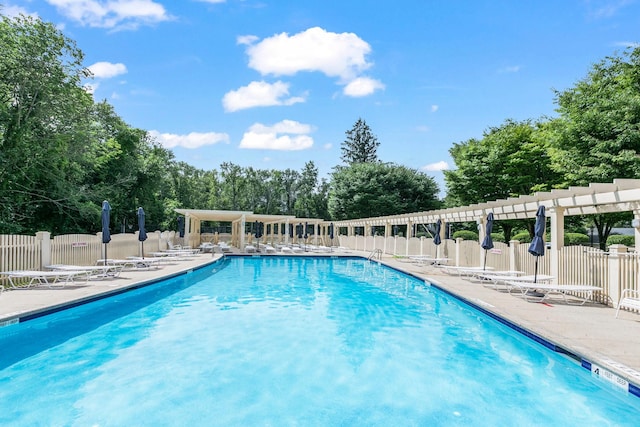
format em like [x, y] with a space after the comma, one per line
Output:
[45, 248]
[513, 245]
[614, 272]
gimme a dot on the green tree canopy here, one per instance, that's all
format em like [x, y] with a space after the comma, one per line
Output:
[375, 189]
[597, 136]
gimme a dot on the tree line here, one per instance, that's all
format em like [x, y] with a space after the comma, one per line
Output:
[62, 154]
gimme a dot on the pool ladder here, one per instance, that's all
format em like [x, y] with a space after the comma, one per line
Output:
[376, 253]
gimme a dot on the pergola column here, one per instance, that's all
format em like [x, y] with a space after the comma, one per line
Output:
[636, 228]
[557, 239]
[409, 235]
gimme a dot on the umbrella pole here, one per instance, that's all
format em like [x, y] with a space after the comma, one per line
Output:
[105, 254]
[142, 249]
[535, 275]
[484, 266]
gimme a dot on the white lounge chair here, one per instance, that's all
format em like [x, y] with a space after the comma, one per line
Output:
[539, 292]
[268, 249]
[495, 280]
[95, 271]
[464, 271]
[250, 249]
[52, 279]
[630, 298]
[224, 247]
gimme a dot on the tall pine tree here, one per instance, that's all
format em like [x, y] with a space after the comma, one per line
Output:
[361, 145]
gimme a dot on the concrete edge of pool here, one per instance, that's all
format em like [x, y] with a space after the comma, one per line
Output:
[590, 347]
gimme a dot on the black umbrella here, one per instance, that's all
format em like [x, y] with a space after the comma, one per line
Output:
[142, 231]
[181, 226]
[291, 231]
[258, 231]
[395, 230]
[331, 234]
[536, 248]
[106, 219]
[487, 242]
[436, 235]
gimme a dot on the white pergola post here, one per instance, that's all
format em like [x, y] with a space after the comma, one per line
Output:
[557, 240]
[636, 229]
[409, 229]
[243, 220]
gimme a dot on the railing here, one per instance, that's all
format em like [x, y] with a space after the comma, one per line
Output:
[376, 253]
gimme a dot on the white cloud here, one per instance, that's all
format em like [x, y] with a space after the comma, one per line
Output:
[362, 86]
[627, 44]
[435, 167]
[423, 128]
[12, 11]
[510, 69]
[91, 87]
[106, 70]
[287, 135]
[435, 108]
[259, 94]
[191, 140]
[120, 14]
[327, 146]
[336, 55]
[212, 1]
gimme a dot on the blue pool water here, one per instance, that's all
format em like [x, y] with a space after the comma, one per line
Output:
[277, 341]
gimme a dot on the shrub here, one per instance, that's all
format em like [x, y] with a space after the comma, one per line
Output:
[573, 239]
[522, 237]
[465, 235]
[618, 239]
[497, 237]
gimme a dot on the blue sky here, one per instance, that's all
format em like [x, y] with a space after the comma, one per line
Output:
[275, 83]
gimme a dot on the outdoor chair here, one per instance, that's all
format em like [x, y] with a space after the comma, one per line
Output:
[630, 298]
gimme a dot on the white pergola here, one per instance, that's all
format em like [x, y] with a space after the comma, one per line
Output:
[622, 195]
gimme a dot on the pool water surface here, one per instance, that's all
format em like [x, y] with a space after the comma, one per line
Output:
[291, 341]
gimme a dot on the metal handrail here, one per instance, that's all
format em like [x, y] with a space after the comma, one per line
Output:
[375, 253]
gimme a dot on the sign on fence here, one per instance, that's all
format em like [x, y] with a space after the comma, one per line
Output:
[79, 244]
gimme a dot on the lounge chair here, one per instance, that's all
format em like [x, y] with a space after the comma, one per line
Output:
[464, 271]
[268, 249]
[250, 249]
[58, 278]
[538, 292]
[128, 264]
[495, 280]
[171, 246]
[224, 247]
[630, 298]
[96, 272]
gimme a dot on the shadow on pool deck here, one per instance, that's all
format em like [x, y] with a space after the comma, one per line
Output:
[591, 331]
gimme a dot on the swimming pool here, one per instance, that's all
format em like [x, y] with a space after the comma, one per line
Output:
[291, 341]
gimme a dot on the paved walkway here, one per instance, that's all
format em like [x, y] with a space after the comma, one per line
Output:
[590, 331]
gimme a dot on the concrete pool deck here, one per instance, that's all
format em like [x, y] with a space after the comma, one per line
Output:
[590, 331]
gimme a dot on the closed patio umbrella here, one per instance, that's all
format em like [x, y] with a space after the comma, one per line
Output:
[436, 235]
[181, 226]
[536, 248]
[487, 242]
[258, 232]
[106, 219]
[142, 231]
